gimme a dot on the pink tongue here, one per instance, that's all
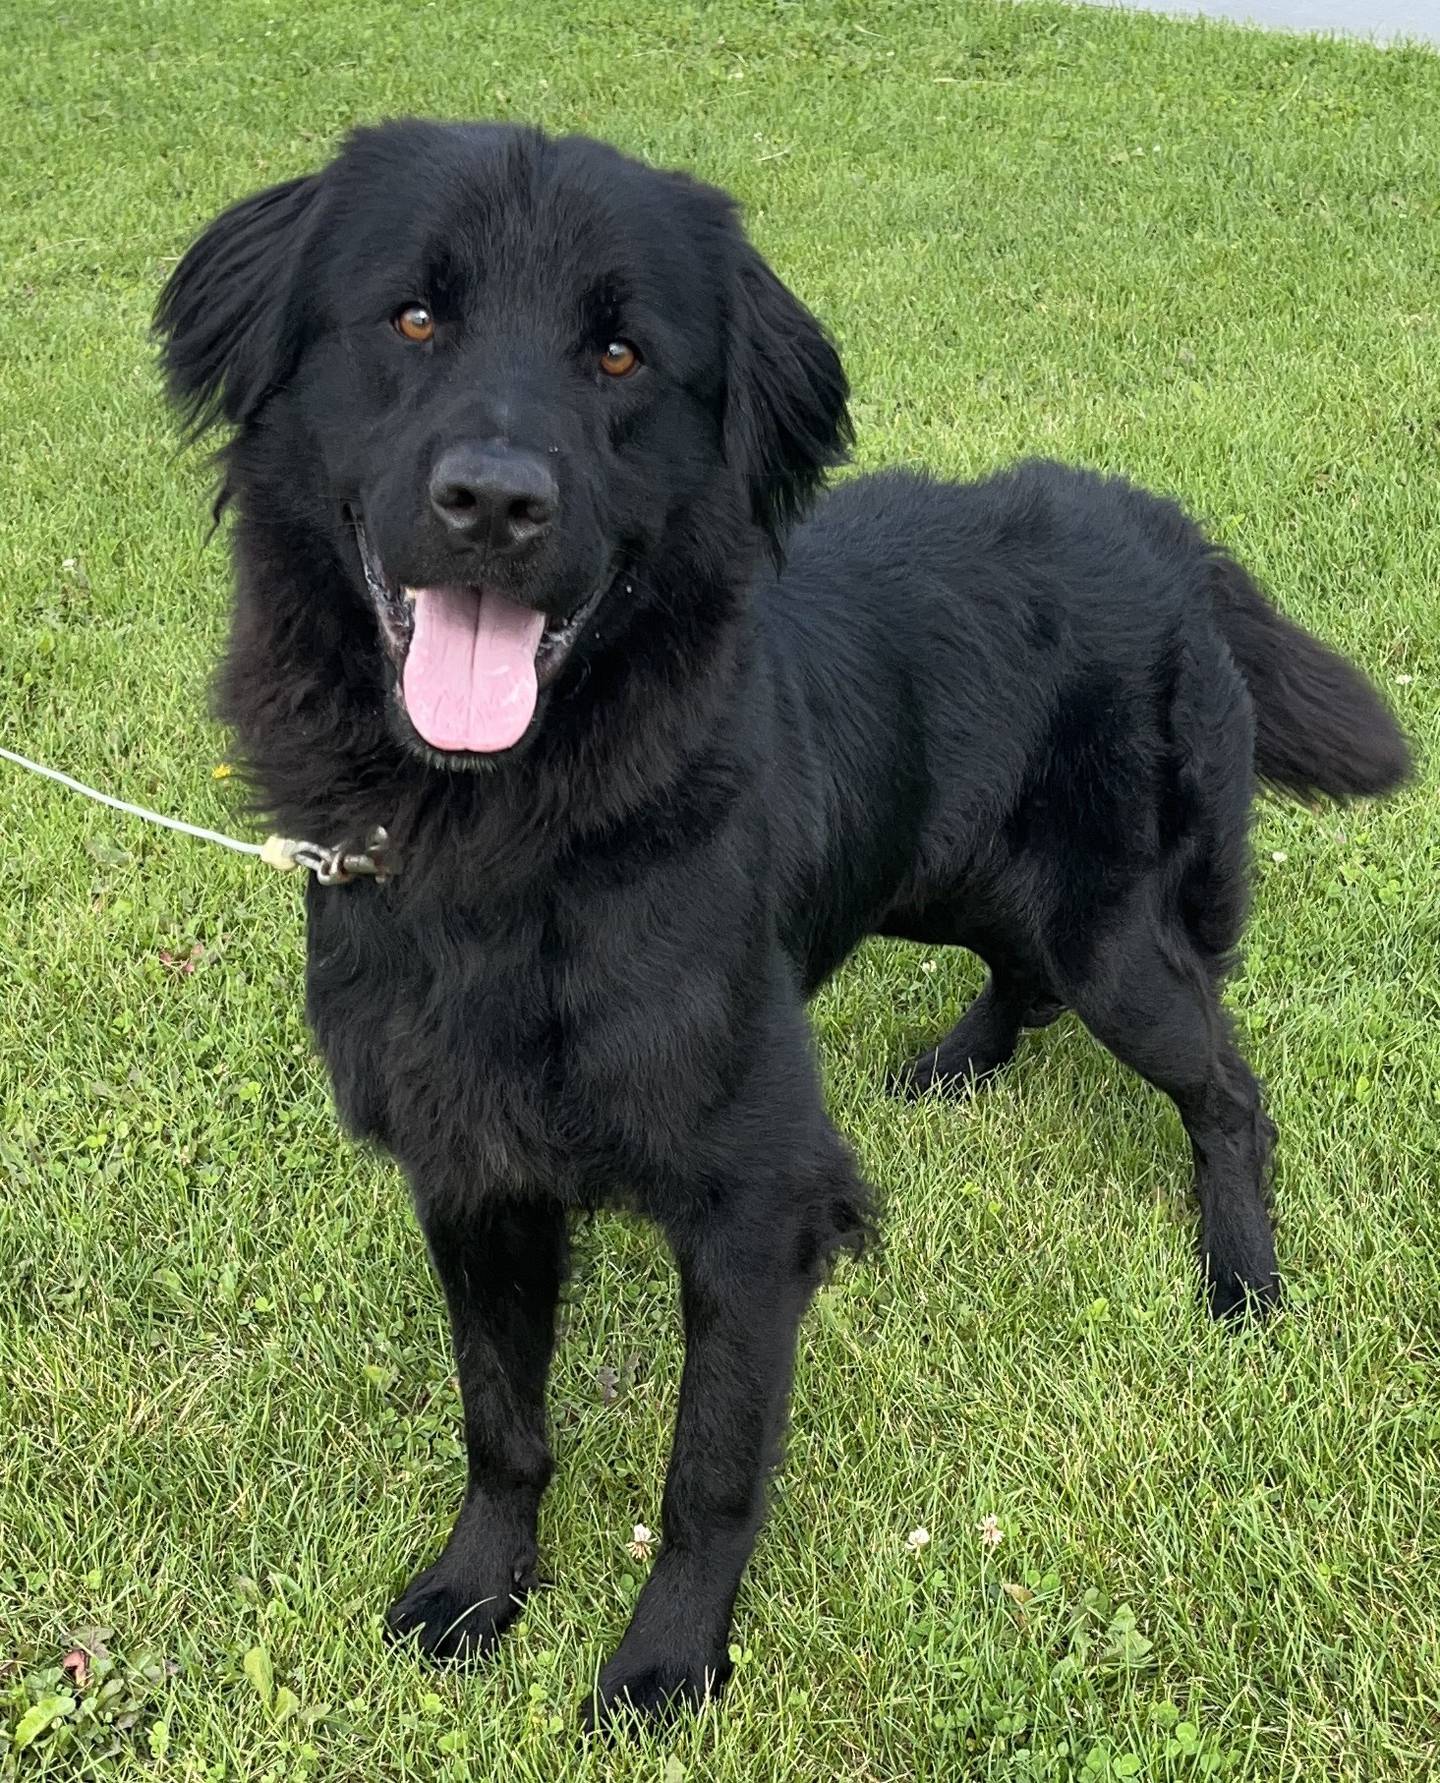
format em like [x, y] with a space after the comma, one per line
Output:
[470, 672]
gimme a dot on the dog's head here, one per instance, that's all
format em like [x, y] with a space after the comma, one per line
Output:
[504, 374]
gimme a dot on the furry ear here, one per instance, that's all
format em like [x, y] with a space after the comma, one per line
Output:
[225, 318]
[786, 414]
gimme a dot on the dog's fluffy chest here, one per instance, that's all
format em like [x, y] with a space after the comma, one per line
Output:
[520, 1053]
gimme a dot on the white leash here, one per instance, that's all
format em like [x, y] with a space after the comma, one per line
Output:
[331, 866]
[104, 798]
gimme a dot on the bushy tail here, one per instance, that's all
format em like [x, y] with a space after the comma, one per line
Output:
[1320, 727]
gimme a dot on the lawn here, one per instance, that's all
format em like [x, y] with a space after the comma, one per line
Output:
[1204, 256]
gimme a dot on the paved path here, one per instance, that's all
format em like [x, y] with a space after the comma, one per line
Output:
[1383, 20]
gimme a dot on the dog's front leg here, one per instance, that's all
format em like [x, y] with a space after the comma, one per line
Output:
[749, 1256]
[501, 1267]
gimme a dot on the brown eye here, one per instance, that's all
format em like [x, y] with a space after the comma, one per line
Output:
[415, 323]
[619, 359]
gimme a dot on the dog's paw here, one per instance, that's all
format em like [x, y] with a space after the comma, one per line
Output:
[1234, 1301]
[931, 1071]
[651, 1688]
[452, 1620]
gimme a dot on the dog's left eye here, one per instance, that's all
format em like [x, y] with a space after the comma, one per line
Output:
[415, 323]
[619, 359]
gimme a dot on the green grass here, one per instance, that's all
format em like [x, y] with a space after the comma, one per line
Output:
[1203, 256]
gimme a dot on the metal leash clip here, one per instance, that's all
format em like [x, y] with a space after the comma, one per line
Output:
[331, 866]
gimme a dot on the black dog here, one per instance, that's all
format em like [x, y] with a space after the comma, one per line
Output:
[523, 431]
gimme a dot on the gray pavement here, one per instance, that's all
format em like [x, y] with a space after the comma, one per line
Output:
[1383, 21]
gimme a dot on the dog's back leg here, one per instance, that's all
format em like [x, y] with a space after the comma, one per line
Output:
[1152, 997]
[985, 1037]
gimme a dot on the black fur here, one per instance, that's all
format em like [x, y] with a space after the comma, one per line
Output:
[1316, 727]
[1018, 717]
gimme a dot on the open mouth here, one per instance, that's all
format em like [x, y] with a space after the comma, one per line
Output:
[471, 661]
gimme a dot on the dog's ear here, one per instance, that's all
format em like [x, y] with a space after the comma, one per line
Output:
[227, 320]
[786, 414]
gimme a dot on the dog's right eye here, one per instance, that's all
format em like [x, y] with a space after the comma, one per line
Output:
[619, 359]
[414, 323]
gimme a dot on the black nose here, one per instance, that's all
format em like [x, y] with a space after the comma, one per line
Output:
[494, 497]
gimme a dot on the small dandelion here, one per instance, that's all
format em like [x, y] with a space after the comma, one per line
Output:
[991, 1534]
[918, 1540]
[1279, 857]
[639, 1545]
[1403, 680]
[221, 771]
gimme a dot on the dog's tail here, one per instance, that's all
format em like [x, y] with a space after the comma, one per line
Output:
[1320, 726]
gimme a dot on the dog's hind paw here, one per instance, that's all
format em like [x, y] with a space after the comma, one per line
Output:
[951, 1078]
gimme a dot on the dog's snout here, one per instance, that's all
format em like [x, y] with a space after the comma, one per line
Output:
[494, 497]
